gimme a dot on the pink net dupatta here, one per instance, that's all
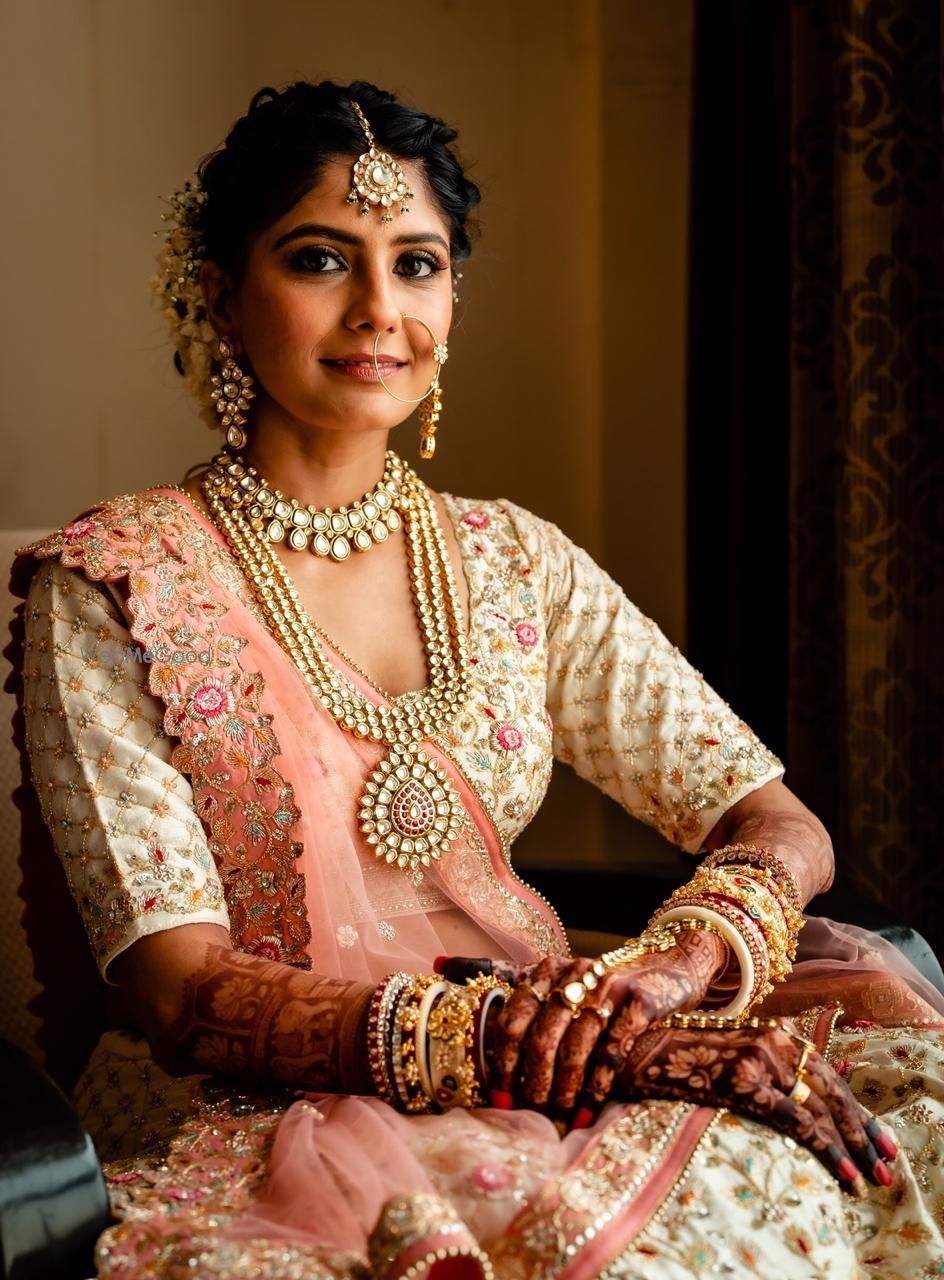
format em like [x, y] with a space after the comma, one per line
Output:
[368, 919]
[872, 980]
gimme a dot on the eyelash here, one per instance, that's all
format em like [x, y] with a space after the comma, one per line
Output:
[300, 259]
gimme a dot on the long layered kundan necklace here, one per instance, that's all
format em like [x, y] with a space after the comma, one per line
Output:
[409, 811]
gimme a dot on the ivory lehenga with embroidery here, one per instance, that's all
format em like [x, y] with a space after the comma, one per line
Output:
[188, 774]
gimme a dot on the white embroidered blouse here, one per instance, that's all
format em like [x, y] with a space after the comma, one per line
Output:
[564, 666]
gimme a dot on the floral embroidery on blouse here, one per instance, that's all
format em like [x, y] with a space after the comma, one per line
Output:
[226, 743]
[122, 816]
[568, 667]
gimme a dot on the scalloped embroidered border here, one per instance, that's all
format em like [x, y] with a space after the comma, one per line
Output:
[213, 707]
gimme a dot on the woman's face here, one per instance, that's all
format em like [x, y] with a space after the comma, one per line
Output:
[320, 284]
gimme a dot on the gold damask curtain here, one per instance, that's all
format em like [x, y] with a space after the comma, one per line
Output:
[865, 711]
[816, 416]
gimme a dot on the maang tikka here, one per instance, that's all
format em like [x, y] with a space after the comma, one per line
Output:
[232, 391]
[377, 178]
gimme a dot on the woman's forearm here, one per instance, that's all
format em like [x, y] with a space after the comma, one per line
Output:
[241, 1014]
[238, 1014]
[772, 816]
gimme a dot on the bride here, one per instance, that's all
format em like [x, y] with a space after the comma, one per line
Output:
[285, 722]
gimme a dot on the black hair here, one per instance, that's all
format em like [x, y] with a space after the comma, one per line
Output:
[274, 154]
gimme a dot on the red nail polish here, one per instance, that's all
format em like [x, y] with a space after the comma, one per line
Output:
[438, 963]
[886, 1146]
[501, 1099]
[583, 1119]
[847, 1169]
[883, 1173]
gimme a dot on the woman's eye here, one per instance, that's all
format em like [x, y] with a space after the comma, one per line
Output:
[418, 266]
[318, 260]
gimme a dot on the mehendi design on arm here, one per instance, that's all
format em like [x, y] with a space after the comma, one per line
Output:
[243, 1015]
[798, 838]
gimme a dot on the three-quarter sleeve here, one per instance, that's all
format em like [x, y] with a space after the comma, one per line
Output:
[630, 713]
[121, 816]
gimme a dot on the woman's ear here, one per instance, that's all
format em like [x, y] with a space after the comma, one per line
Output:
[219, 294]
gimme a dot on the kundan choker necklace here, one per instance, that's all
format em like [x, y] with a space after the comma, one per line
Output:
[409, 811]
[325, 533]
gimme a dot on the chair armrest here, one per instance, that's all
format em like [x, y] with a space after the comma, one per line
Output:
[53, 1201]
[917, 949]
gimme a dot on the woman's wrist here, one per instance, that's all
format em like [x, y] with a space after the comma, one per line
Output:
[752, 898]
[745, 974]
[707, 953]
[427, 1040]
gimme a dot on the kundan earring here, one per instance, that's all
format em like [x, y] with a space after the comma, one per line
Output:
[432, 396]
[232, 391]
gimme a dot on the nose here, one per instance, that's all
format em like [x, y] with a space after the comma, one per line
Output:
[373, 308]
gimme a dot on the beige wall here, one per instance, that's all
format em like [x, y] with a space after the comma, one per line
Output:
[564, 390]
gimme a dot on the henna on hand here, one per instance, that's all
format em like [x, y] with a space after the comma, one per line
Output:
[704, 954]
[243, 1015]
[754, 1070]
[539, 1054]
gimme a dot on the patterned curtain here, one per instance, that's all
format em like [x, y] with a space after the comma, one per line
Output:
[865, 715]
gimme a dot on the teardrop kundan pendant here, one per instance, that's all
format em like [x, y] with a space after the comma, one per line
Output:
[410, 812]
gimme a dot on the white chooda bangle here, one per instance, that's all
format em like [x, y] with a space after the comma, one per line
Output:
[432, 994]
[734, 939]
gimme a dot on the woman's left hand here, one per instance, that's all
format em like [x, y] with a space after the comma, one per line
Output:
[758, 1071]
[540, 1055]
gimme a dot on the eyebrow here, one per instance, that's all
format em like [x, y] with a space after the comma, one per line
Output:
[305, 229]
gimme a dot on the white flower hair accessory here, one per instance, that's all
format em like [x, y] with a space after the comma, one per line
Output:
[177, 289]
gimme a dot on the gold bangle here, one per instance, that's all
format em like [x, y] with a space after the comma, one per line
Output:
[792, 918]
[761, 905]
[756, 902]
[759, 856]
[406, 1073]
[652, 941]
[450, 1028]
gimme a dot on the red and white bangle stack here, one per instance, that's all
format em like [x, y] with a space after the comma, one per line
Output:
[753, 900]
[426, 1040]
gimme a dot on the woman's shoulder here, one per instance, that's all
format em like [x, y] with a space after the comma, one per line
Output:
[114, 536]
[500, 518]
[504, 524]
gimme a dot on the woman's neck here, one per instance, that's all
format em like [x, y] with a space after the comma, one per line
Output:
[318, 468]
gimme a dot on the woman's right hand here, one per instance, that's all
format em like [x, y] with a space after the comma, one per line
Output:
[540, 1056]
[754, 1070]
